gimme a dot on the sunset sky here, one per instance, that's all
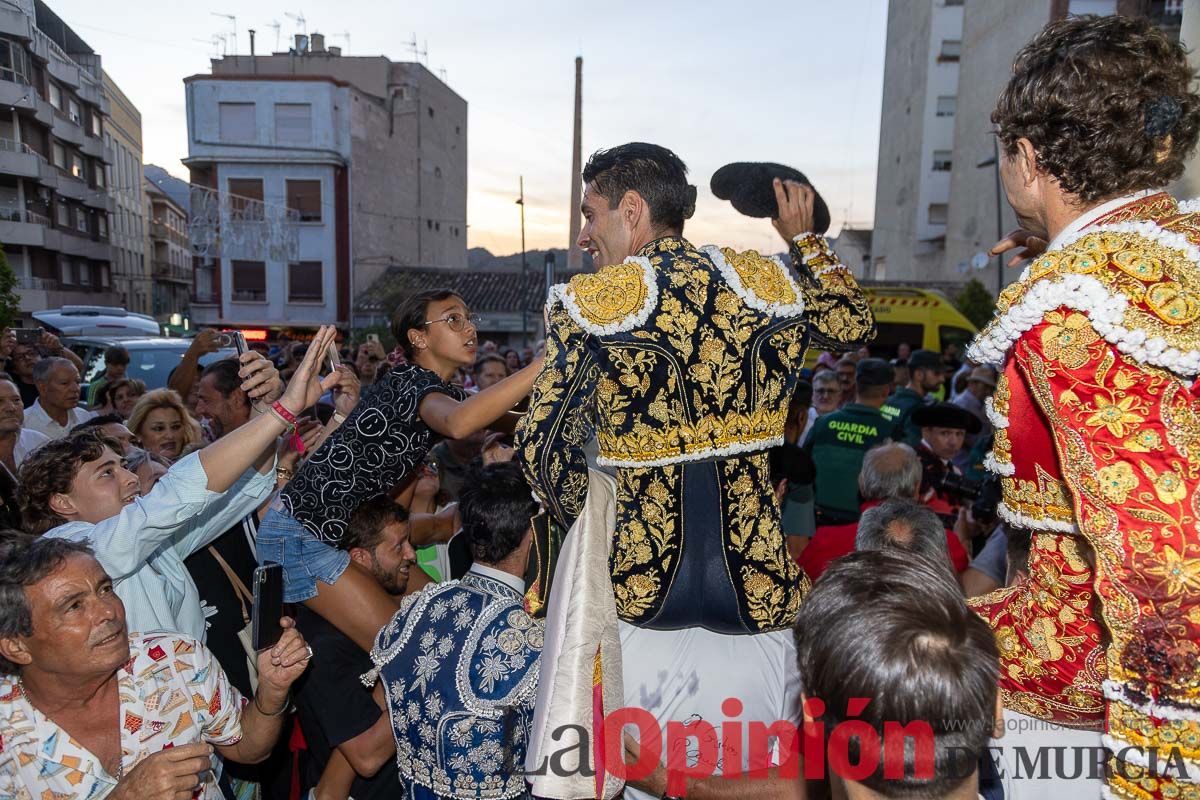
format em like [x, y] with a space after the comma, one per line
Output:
[797, 81]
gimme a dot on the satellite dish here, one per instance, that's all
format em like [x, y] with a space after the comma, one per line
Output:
[963, 268]
[979, 260]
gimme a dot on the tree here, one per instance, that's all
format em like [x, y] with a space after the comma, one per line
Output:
[10, 302]
[975, 302]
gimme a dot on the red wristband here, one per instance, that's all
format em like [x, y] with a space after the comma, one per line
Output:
[283, 412]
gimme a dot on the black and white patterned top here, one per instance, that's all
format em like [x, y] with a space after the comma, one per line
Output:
[368, 455]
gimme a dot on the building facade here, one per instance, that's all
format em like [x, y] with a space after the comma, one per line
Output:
[938, 205]
[129, 235]
[312, 174]
[169, 255]
[54, 201]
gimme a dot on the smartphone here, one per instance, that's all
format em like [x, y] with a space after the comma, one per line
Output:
[233, 339]
[331, 358]
[28, 335]
[373, 337]
[268, 606]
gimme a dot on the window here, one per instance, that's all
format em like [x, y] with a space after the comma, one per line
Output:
[890, 335]
[81, 221]
[66, 271]
[1102, 8]
[249, 281]
[951, 50]
[77, 166]
[62, 215]
[96, 125]
[946, 105]
[104, 276]
[937, 213]
[237, 122]
[99, 169]
[941, 160]
[245, 199]
[73, 111]
[305, 197]
[56, 96]
[102, 225]
[293, 123]
[14, 62]
[304, 282]
[85, 273]
[59, 155]
[951, 3]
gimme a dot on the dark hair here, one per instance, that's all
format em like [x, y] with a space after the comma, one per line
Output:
[497, 506]
[411, 314]
[925, 535]
[23, 564]
[1107, 103]
[112, 387]
[225, 376]
[50, 470]
[895, 629]
[116, 355]
[654, 172]
[99, 422]
[490, 358]
[368, 521]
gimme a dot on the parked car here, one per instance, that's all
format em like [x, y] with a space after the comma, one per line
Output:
[150, 359]
[108, 321]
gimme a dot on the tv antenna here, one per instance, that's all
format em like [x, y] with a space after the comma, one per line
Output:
[417, 52]
[299, 20]
[343, 35]
[233, 22]
[275, 26]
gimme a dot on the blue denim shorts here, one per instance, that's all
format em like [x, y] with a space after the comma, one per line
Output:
[305, 558]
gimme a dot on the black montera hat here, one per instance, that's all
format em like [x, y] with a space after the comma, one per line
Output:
[748, 185]
[946, 415]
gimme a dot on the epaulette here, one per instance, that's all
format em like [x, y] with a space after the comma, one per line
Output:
[1138, 283]
[614, 299]
[764, 283]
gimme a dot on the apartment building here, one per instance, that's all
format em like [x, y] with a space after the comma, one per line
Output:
[314, 173]
[169, 255]
[54, 201]
[128, 233]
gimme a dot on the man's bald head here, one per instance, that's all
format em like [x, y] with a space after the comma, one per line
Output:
[890, 471]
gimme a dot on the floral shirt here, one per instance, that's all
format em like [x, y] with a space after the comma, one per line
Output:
[172, 693]
[372, 451]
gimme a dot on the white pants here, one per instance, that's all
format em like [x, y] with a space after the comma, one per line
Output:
[687, 674]
[1039, 760]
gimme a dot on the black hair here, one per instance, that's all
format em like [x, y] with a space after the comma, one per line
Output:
[24, 562]
[99, 422]
[654, 172]
[225, 376]
[490, 358]
[116, 355]
[368, 521]
[497, 506]
[894, 628]
[410, 315]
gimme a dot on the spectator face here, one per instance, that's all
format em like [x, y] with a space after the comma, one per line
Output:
[442, 341]
[114, 372]
[490, 374]
[12, 411]
[224, 414]
[392, 557]
[119, 432]
[903, 350]
[367, 364]
[148, 474]
[527, 355]
[512, 360]
[61, 387]
[163, 433]
[980, 389]
[124, 399]
[827, 396]
[928, 380]
[944, 442]
[902, 376]
[845, 374]
[23, 359]
[100, 490]
[78, 623]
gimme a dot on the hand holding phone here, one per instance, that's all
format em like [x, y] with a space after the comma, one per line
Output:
[268, 606]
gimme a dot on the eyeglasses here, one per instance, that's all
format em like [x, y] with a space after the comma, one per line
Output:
[457, 322]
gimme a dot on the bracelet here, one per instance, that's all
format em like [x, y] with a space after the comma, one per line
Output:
[284, 473]
[289, 427]
[287, 702]
[339, 417]
[280, 409]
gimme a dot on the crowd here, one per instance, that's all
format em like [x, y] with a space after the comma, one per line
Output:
[814, 547]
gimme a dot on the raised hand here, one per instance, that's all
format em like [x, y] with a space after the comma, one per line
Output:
[305, 387]
[1031, 246]
[795, 201]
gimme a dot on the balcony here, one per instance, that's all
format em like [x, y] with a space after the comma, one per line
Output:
[166, 271]
[14, 22]
[22, 228]
[19, 159]
[67, 129]
[94, 147]
[203, 298]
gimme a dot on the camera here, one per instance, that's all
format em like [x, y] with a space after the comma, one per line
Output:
[233, 339]
[983, 495]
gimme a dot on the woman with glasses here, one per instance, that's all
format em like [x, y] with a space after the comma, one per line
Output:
[371, 452]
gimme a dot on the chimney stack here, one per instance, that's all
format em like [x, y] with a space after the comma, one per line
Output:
[317, 43]
[301, 44]
[574, 254]
[334, 51]
[252, 42]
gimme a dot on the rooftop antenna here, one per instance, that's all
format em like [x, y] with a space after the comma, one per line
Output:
[442, 73]
[417, 52]
[299, 20]
[232, 21]
[275, 26]
[218, 42]
[343, 35]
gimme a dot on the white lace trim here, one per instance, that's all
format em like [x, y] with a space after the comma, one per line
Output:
[737, 448]
[1115, 691]
[1019, 520]
[1105, 311]
[746, 293]
[1006, 469]
[1189, 206]
[997, 419]
[1164, 767]
[638, 318]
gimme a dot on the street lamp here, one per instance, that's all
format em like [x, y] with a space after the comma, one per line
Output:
[994, 161]
[524, 269]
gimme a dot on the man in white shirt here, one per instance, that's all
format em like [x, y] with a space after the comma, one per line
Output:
[56, 410]
[16, 441]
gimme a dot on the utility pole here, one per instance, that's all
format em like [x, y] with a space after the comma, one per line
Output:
[574, 254]
[524, 268]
